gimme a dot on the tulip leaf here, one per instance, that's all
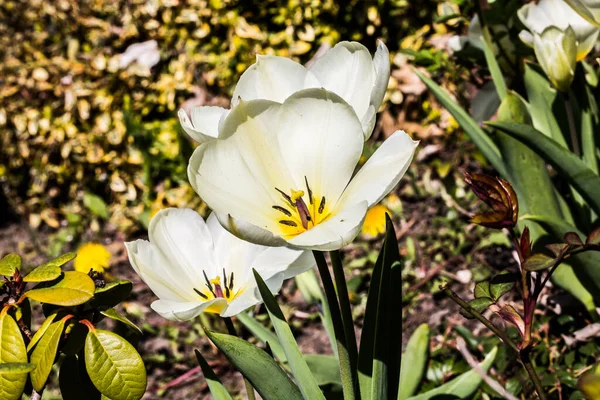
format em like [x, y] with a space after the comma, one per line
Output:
[44, 354]
[15, 368]
[217, 390]
[306, 382]
[263, 334]
[589, 114]
[576, 171]
[471, 128]
[72, 289]
[9, 264]
[462, 386]
[493, 66]
[114, 314]
[414, 360]
[74, 381]
[270, 381]
[12, 350]
[325, 369]
[114, 366]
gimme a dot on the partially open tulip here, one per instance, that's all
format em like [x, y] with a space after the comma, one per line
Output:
[195, 266]
[347, 70]
[588, 9]
[556, 51]
[284, 173]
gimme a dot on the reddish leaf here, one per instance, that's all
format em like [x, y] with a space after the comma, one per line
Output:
[573, 238]
[558, 249]
[538, 262]
[510, 315]
[594, 238]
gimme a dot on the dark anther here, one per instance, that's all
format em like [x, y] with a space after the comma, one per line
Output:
[288, 223]
[286, 197]
[231, 282]
[224, 278]
[227, 292]
[310, 198]
[205, 297]
[208, 285]
[283, 210]
[322, 205]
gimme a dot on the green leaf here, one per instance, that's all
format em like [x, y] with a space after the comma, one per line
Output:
[501, 284]
[588, 119]
[471, 128]
[112, 294]
[114, 366]
[40, 332]
[482, 289]
[44, 354]
[215, 386]
[306, 382]
[269, 380]
[539, 262]
[462, 386]
[263, 334]
[75, 339]
[113, 314]
[9, 264]
[569, 165]
[73, 289]
[324, 368]
[414, 360]
[493, 66]
[43, 273]
[589, 383]
[96, 205]
[478, 305]
[15, 368]
[12, 350]
[74, 381]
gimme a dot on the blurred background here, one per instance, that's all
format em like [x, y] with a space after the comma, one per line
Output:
[91, 147]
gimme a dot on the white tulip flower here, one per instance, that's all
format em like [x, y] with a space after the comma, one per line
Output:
[556, 52]
[547, 13]
[195, 266]
[588, 9]
[346, 70]
[283, 174]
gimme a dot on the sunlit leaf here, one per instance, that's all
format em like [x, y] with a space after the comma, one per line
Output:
[44, 354]
[9, 264]
[414, 360]
[12, 350]
[72, 289]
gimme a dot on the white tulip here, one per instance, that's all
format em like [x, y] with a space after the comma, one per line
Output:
[283, 174]
[556, 52]
[588, 9]
[195, 266]
[347, 70]
[538, 17]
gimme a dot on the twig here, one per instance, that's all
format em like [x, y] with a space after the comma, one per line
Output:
[180, 379]
[462, 347]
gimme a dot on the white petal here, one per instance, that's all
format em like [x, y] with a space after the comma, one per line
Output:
[381, 61]
[184, 240]
[321, 139]
[347, 70]
[382, 171]
[526, 37]
[282, 260]
[251, 295]
[204, 124]
[249, 232]
[182, 311]
[148, 262]
[336, 232]
[368, 121]
[272, 78]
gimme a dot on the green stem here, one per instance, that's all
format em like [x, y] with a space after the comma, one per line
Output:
[247, 384]
[346, 309]
[338, 327]
[524, 356]
[572, 128]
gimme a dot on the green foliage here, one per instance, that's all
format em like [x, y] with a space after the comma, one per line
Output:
[72, 289]
[44, 353]
[12, 350]
[414, 360]
[10, 264]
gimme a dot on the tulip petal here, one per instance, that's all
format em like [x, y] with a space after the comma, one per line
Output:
[249, 232]
[334, 233]
[272, 78]
[321, 141]
[204, 123]
[184, 240]
[184, 311]
[284, 260]
[347, 70]
[382, 171]
[381, 61]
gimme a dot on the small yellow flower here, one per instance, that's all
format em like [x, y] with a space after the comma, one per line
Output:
[375, 221]
[92, 256]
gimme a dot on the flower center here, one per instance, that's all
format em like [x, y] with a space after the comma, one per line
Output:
[217, 290]
[298, 216]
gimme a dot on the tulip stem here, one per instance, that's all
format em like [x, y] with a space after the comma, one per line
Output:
[346, 309]
[247, 384]
[572, 128]
[348, 385]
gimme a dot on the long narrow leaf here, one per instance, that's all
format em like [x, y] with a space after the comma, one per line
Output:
[493, 66]
[413, 362]
[215, 386]
[576, 171]
[304, 378]
[269, 380]
[263, 334]
[475, 133]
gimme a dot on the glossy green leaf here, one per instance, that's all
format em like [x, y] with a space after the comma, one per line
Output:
[96, 205]
[324, 368]
[112, 294]
[114, 366]
[539, 262]
[44, 354]
[43, 273]
[569, 165]
[9, 264]
[471, 128]
[501, 284]
[114, 314]
[482, 289]
[270, 381]
[462, 386]
[74, 381]
[72, 289]
[263, 334]
[16, 368]
[12, 350]
[493, 66]
[306, 382]
[414, 360]
[217, 390]
[41, 331]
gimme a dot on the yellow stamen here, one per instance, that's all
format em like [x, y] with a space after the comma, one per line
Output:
[296, 194]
